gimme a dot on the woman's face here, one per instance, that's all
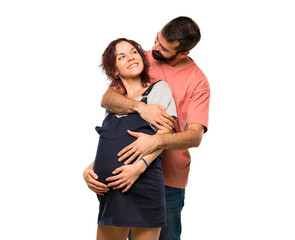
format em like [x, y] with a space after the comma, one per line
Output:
[129, 63]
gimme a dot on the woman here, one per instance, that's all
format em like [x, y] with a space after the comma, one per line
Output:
[141, 209]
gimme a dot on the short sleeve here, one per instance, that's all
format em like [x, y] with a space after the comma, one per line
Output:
[161, 94]
[198, 107]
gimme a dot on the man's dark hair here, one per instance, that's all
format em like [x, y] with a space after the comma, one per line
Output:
[184, 30]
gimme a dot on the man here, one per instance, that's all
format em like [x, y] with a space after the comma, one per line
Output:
[170, 62]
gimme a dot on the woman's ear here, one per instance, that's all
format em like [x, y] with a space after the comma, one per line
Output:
[117, 74]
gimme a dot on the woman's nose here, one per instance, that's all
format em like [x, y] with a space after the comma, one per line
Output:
[130, 58]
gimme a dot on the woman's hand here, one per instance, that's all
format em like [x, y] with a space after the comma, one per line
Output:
[126, 176]
[93, 184]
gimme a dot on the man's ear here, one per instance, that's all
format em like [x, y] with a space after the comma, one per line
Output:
[184, 54]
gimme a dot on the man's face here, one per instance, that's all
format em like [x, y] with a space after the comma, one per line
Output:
[164, 50]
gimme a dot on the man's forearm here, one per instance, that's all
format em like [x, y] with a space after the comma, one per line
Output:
[192, 137]
[115, 102]
[154, 114]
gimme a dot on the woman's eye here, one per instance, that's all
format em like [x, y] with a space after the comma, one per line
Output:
[120, 58]
[134, 52]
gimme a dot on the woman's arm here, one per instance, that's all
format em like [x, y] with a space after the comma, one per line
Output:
[126, 175]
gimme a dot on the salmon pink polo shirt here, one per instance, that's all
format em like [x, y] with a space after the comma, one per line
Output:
[191, 93]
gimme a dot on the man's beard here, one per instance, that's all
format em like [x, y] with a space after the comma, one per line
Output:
[158, 56]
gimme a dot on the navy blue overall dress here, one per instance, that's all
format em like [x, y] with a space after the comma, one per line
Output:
[144, 204]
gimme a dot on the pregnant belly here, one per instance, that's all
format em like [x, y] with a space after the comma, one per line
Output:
[106, 160]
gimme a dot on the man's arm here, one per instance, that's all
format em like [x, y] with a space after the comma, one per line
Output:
[126, 175]
[146, 144]
[154, 114]
[192, 137]
[117, 103]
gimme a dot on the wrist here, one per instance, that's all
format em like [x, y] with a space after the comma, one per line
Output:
[141, 166]
[86, 170]
[159, 141]
[138, 106]
[146, 164]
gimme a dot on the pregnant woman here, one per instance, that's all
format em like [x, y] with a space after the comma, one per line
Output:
[141, 209]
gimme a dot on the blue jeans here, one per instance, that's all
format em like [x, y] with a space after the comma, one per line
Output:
[174, 204]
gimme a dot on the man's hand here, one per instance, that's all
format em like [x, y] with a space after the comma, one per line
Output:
[144, 145]
[91, 180]
[126, 175]
[156, 115]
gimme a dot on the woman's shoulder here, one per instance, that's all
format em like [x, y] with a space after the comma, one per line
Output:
[159, 92]
[161, 85]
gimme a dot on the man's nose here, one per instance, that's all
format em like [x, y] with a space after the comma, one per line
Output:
[156, 46]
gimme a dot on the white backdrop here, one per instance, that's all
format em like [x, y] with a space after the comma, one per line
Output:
[241, 184]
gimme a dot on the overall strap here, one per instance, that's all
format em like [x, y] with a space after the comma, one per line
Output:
[144, 95]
